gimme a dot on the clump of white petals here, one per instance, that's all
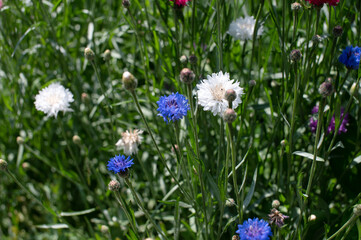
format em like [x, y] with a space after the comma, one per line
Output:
[211, 93]
[243, 28]
[130, 141]
[53, 99]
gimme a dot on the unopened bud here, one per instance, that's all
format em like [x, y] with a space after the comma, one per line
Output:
[84, 97]
[89, 54]
[25, 165]
[124, 174]
[316, 39]
[104, 229]
[107, 55]
[326, 88]
[295, 55]
[353, 89]
[276, 204]
[3, 165]
[337, 31]
[114, 185]
[76, 139]
[229, 115]
[283, 143]
[312, 217]
[193, 59]
[126, 3]
[19, 140]
[296, 6]
[129, 82]
[230, 95]
[230, 202]
[183, 59]
[236, 237]
[252, 83]
[357, 210]
[187, 76]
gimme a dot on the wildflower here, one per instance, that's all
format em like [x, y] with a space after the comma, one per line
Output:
[119, 164]
[130, 141]
[331, 126]
[52, 99]
[243, 28]
[180, 3]
[351, 57]
[337, 31]
[319, 3]
[173, 107]
[211, 93]
[114, 185]
[254, 229]
[129, 81]
[276, 217]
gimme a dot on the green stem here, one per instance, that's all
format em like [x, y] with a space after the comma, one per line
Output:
[317, 20]
[219, 35]
[353, 218]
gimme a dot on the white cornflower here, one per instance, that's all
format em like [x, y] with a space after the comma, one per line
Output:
[130, 141]
[52, 99]
[211, 93]
[243, 28]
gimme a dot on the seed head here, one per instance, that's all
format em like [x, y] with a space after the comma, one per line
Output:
[326, 88]
[230, 95]
[114, 185]
[295, 55]
[296, 6]
[337, 31]
[19, 140]
[107, 55]
[3, 165]
[129, 82]
[357, 210]
[276, 204]
[187, 76]
[277, 217]
[89, 54]
[229, 115]
[76, 140]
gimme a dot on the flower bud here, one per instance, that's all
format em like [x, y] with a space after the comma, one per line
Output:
[357, 210]
[126, 3]
[193, 59]
[84, 97]
[312, 217]
[229, 115]
[107, 55]
[3, 165]
[283, 143]
[124, 174]
[104, 229]
[187, 76]
[76, 140]
[230, 95]
[129, 82]
[353, 89]
[89, 54]
[295, 55]
[183, 59]
[326, 88]
[230, 202]
[25, 165]
[296, 6]
[236, 237]
[19, 140]
[114, 185]
[316, 39]
[276, 204]
[337, 31]
[252, 83]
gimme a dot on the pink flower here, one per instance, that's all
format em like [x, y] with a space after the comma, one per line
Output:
[180, 3]
[320, 3]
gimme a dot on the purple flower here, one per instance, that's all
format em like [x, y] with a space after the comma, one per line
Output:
[119, 164]
[331, 127]
[351, 57]
[254, 229]
[173, 107]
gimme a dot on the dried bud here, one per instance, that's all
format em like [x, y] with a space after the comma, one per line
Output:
[337, 31]
[19, 140]
[114, 185]
[276, 204]
[326, 88]
[312, 217]
[76, 140]
[129, 82]
[183, 59]
[230, 202]
[296, 6]
[3, 165]
[295, 55]
[229, 115]
[124, 174]
[357, 210]
[89, 54]
[84, 97]
[126, 3]
[107, 55]
[236, 237]
[104, 229]
[230, 95]
[193, 59]
[252, 83]
[187, 76]
[277, 217]
[316, 39]
[353, 89]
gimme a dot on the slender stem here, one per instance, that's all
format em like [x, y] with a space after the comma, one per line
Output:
[219, 35]
[353, 218]
[295, 23]
[140, 204]
[317, 20]
[193, 21]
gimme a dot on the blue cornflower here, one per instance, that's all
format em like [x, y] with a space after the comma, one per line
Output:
[119, 164]
[173, 107]
[351, 57]
[254, 229]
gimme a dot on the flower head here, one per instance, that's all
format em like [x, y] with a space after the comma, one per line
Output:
[52, 99]
[173, 107]
[276, 217]
[130, 141]
[119, 164]
[180, 3]
[254, 229]
[331, 127]
[243, 28]
[211, 93]
[319, 3]
[351, 57]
